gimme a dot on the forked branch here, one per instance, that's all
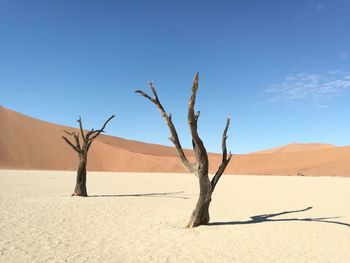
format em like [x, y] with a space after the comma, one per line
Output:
[200, 215]
[225, 159]
[193, 119]
[97, 132]
[88, 138]
[75, 148]
[174, 138]
[81, 128]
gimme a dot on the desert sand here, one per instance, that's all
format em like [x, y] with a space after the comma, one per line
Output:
[296, 147]
[134, 217]
[28, 143]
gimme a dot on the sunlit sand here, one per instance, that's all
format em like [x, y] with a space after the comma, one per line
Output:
[135, 217]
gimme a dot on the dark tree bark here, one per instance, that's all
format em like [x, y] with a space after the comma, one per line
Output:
[80, 185]
[200, 215]
[82, 149]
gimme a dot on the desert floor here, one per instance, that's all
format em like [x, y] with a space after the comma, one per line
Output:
[134, 217]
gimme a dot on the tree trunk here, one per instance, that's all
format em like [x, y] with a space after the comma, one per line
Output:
[200, 215]
[80, 186]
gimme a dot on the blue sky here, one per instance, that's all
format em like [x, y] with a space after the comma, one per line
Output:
[280, 68]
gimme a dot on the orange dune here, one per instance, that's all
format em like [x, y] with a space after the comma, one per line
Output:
[28, 143]
[296, 147]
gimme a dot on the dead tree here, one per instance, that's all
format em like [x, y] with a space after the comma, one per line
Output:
[82, 148]
[200, 215]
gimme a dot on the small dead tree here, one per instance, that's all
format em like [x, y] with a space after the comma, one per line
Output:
[200, 215]
[82, 148]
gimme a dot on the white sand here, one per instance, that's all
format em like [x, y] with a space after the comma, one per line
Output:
[40, 222]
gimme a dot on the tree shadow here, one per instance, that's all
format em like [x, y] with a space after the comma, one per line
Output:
[161, 195]
[267, 218]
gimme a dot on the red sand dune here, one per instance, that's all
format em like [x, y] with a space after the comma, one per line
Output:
[296, 147]
[28, 143]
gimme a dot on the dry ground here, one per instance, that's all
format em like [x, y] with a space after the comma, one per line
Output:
[134, 217]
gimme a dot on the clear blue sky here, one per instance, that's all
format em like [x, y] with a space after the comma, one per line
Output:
[281, 68]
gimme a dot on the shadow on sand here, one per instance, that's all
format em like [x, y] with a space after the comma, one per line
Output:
[161, 195]
[268, 218]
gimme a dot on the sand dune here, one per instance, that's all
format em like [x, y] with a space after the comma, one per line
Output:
[296, 147]
[134, 217]
[28, 143]
[331, 162]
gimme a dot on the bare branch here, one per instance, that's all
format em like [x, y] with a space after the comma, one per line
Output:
[89, 144]
[144, 95]
[196, 117]
[225, 160]
[71, 144]
[87, 139]
[67, 132]
[77, 142]
[151, 86]
[76, 138]
[192, 121]
[81, 128]
[174, 138]
[97, 132]
[87, 136]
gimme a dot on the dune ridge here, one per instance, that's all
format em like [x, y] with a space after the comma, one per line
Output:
[296, 147]
[31, 144]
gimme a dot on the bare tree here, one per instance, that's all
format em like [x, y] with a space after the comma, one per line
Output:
[82, 148]
[200, 215]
